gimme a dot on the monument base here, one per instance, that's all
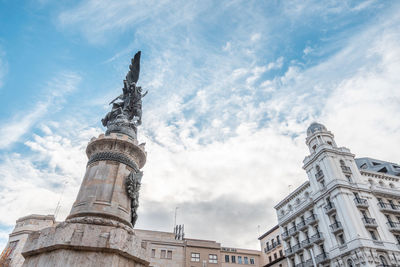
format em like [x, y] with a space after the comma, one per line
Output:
[80, 244]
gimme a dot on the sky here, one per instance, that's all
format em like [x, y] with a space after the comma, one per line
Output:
[233, 86]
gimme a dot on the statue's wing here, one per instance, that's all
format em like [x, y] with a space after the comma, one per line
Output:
[134, 69]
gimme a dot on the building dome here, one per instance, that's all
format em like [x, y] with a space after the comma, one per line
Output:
[315, 127]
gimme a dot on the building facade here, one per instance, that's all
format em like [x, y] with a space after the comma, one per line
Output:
[164, 249]
[272, 251]
[346, 214]
[24, 226]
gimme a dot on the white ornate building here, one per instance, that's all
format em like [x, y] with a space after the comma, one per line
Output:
[347, 213]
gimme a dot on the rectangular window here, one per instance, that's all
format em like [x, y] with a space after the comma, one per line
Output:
[270, 258]
[153, 253]
[252, 261]
[212, 258]
[195, 257]
[240, 259]
[169, 254]
[373, 236]
[281, 253]
[246, 260]
[275, 256]
[233, 258]
[163, 254]
[226, 258]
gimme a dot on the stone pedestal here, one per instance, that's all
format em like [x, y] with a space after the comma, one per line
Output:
[98, 230]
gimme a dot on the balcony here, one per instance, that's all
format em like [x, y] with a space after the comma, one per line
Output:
[292, 230]
[346, 169]
[369, 222]
[317, 238]
[336, 227]
[285, 235]
[389, 208]
[312, 219]
[329, 208]
[296, 248]
[301, 225]
[394, 226]
[322, 258]
[306, 243]
[273, 246]
[288, 252]
[309, 263]
[319, 175]
[361, 202]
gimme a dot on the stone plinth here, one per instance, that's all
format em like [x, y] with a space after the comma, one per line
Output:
[98, 230]
[84, 244]
[103, 191]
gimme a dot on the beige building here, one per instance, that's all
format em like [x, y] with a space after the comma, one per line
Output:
[164, 249]
[11, 255]
[237, 257]
[272, 251]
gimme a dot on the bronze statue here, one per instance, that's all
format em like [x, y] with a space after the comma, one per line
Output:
[126, 112]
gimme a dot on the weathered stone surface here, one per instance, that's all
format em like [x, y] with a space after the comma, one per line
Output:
[75, 244]
[103, 191]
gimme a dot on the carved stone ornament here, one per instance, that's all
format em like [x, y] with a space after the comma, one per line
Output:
[133, 182]
[113, 156]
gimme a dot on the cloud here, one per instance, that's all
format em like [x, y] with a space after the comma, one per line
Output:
[224, 133]
[20, 123]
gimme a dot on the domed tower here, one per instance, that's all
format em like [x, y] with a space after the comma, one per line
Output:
[327, 162]
[318, 135]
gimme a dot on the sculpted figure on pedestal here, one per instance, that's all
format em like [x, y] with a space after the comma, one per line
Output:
[133, 182]
[126, 112]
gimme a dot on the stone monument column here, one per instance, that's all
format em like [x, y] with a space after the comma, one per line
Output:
[99, 229]
[103, 193]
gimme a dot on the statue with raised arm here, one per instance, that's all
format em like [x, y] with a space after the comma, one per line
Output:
[126, 112]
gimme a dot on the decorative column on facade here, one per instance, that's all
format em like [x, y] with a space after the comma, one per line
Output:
[99, 229]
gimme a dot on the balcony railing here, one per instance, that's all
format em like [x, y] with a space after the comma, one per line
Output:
[393, 226]
[335, 227]
[330, 207]
[288, 251]
[346, 169]
[316, 238]
[311, 219]
[323, 257]
[273, 245]
[369, 222]
[306, 242]
[319, 175]
[301, 225]
[292, 230]
[296, 248]
[285, 234]
[309, 263]
[389, 207]
[361, 202]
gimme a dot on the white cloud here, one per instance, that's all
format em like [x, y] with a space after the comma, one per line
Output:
[20, 123]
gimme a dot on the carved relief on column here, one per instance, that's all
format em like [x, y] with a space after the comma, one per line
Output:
[104, 190]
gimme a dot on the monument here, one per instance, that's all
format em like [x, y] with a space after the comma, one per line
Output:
[99, 229]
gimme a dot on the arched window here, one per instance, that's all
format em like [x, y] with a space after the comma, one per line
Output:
[341, 162]
[350, 263]
[317, 168]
